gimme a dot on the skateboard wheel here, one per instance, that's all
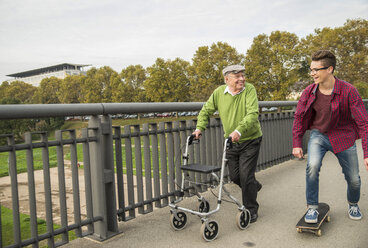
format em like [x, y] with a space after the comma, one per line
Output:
[328, 219]
[319, 233]
[299, 230]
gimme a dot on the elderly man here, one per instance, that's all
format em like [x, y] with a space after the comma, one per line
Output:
[237, 105]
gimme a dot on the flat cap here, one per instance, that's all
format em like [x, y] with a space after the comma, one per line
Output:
[232, 69]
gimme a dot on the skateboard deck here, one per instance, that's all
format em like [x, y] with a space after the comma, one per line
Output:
[323, 210]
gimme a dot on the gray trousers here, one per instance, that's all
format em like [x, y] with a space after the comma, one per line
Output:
[242, 162]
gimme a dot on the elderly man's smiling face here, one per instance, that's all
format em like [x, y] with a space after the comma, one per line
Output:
[235, 81]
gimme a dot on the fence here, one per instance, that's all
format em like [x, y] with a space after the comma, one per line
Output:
[126, 171]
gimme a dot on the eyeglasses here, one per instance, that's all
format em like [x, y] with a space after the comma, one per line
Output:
[315, 70]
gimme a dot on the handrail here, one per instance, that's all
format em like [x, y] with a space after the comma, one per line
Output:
[22, 111]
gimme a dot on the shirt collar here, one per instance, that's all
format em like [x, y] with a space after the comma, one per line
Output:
[336, 89]
[337, 86]
[227, 90]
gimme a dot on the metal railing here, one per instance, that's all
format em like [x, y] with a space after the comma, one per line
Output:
[127, 170]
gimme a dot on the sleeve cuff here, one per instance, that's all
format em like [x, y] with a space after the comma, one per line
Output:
[238, 132]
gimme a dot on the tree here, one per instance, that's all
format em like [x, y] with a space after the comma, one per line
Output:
[3, 88]
[70, 89]
[362, 89]
[168, 81]
[48, 91]
[206, 70]
[272, 64]
[97, 87]
[16, 127]
[131, 86]
[349, 43]
[18, 91]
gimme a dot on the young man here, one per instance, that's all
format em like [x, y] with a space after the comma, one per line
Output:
[334, 112]
[237, 105]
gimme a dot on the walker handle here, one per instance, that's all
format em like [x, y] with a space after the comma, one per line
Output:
[191, 138]
[229, 143]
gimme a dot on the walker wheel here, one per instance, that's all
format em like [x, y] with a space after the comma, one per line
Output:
[204, 207]
[243, 219]
[178, 221]
[209, 230]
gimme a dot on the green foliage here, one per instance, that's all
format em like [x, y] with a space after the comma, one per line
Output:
[49, 124]
[362, 89]
[134, 75]
[272, 64]
[15, 127]
[130, 87]
[16, 91]
[97, 86]
[350, 45]
[48, 91]
[70, 89]
[168, 81]
[206, 70]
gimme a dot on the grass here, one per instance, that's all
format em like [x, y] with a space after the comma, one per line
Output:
[37, 159]
[7, 228]
[21, 160]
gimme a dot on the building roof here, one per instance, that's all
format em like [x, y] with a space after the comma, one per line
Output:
[53, 68]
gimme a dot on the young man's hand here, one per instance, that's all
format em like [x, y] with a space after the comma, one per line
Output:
[366, 163]
[298, 152]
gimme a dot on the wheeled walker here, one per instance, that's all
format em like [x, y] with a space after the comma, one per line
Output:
[210, 228]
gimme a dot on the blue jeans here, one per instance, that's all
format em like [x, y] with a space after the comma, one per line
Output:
[318, 145]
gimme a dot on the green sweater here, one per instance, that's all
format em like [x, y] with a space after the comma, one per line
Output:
[239, 112]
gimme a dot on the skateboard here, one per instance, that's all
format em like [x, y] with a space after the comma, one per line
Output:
[315, 228]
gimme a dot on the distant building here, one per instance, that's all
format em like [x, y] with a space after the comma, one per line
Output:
[35, 76]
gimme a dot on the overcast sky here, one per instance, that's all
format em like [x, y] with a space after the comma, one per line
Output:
[40, 33]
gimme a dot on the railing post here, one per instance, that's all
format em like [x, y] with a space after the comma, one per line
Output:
[14, 190]
[102, 177]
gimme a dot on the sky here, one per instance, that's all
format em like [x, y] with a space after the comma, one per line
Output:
[119, 33]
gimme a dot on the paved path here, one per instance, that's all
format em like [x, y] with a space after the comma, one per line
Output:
[282, 202]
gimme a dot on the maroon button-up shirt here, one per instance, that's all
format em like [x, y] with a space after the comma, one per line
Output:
[349, 118]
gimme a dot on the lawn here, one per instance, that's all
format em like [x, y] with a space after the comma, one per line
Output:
[37, 159]
[7, 228]
[21, 160]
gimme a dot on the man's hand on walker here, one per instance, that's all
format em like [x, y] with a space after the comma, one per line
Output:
[197, 133]
[234, 136]
[298, 152]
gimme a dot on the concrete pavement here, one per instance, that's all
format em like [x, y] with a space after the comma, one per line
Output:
[282, 203]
